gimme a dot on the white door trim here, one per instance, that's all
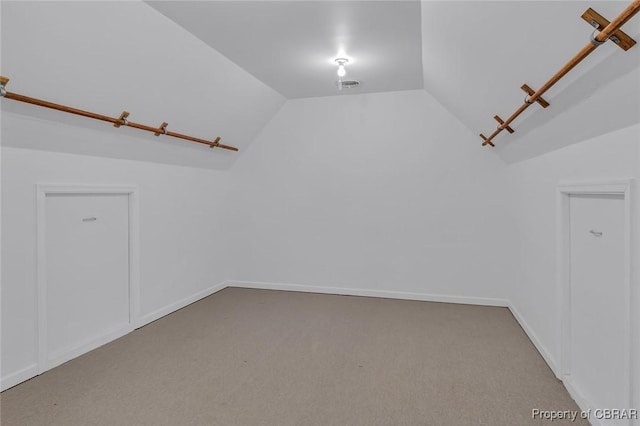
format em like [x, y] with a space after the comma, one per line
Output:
[42, 191]
[563, 277]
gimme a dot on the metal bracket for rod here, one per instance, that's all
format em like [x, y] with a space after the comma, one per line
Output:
[531, 92]
[123, 119]
[595, 41]
[597, 21]
[486, 141]
[162, 130]
[501, 121]
[3, 83]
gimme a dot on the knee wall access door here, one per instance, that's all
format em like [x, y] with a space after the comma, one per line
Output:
[594, 231]
[598, 297]
[85, 290]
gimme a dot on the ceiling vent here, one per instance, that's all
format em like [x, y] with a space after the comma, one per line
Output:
[347, 84]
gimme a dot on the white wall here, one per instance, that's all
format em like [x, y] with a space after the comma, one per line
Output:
[533, 191]
[182, 230]
[382, 191]
[107, 57]
[376, 191]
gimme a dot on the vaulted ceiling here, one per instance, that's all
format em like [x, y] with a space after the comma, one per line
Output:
[224, 68]
[472, 56]
[292, 45]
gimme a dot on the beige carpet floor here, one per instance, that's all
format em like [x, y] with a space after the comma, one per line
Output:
[259, 357]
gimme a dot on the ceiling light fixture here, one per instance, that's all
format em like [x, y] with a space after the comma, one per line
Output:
[341, 63]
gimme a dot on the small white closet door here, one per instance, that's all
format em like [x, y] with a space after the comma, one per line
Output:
[598, 298]
[87, 272]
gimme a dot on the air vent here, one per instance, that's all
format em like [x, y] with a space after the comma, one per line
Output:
[347, 84]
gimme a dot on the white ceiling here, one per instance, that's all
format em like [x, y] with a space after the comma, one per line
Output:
[291, 45]
[472, 56]
[477, 54]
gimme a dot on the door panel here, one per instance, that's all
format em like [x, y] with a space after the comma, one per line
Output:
[87, 269]
[598, 299]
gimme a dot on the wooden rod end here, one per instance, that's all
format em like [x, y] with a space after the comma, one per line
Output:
[122, 118]
[162, 129]
[4, 80]
[230, 148]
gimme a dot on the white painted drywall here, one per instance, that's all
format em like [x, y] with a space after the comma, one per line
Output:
[182, 233]
[533, 190]
[381, 191]
[369, 191]
[374, 191]
[107, 57]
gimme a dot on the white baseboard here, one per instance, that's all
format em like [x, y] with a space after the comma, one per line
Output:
[546, 355]
[582, 402]
[68, 354]
[18, 377]
[387, 294]
[159, 313]
[32, 370]
[536, 341]
[27, 373]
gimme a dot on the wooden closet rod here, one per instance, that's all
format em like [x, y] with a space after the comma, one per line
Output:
[608, 31]
[117, 122]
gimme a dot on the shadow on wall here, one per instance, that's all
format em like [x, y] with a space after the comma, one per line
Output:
[563, 124]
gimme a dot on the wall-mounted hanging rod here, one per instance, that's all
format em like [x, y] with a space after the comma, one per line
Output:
[117, 122]
[608, 31]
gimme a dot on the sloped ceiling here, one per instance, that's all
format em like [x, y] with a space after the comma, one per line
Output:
[107, 57]
[292, 45]
[473, 56]
[477, 54]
